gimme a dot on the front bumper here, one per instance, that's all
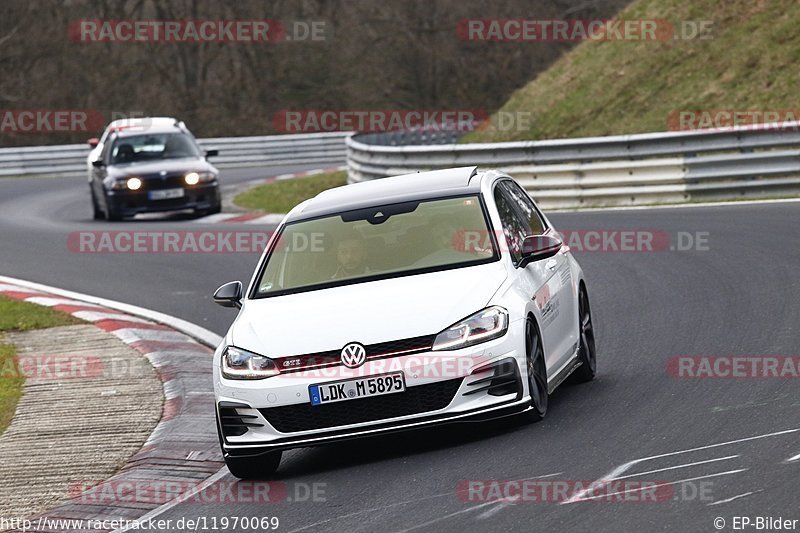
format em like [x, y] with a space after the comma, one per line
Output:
[129, 203]
[478, 383]
[477, 415]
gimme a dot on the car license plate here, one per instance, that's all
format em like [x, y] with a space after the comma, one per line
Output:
[165, 194]
[354, 389]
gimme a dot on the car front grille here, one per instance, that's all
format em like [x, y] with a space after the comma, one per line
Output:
[379, 350]
[414, 400]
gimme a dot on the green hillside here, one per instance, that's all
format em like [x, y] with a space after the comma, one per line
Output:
[750, 62]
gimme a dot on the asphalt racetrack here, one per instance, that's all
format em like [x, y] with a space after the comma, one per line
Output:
[719, 448]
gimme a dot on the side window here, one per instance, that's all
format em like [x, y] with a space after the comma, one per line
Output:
[515, 228]
[525, 206]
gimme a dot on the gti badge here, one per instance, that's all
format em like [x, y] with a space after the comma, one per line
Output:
[354, 355]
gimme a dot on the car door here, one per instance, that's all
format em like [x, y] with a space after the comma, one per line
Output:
[549, 280]
[99, 174]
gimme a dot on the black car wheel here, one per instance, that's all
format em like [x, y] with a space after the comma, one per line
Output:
[587, 354]
[112, 215]
[537, 373]
[97, 213]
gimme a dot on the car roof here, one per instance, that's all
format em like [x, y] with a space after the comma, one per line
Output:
[139, 121]
[126, 127]
[408, 187]
[133, 132]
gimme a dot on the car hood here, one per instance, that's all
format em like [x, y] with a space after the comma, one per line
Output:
[372, 312]
[143, 169]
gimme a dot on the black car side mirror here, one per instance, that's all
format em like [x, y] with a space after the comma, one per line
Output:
[538, 247]
[229, 295]
[211, 153]
[98, 163]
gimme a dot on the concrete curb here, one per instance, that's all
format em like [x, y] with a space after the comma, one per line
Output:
[183, 449]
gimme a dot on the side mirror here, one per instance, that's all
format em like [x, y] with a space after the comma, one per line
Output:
[538, 247]
[211, 153]
[98, 163]
[229, 295]
[93, 142]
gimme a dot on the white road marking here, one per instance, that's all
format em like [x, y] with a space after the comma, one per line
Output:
[616, 472]
[203, 335]
[50, 302]
[687, 465]
[734, 498]
[793, 459]
[96, 316]
[494, 510]
[397, 504]
[656, 485]
[222, 472]
[451, 515]
[130, 335]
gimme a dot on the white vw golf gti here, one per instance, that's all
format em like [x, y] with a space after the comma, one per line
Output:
[395, 304]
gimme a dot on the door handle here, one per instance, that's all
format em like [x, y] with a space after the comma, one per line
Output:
[551, 264]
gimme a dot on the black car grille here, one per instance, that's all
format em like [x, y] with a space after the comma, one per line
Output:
[414, 400]
[152, 182]
[233, 423]
[374, 351]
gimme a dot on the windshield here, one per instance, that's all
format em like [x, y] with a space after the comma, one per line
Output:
[378, 242]
[153, 147]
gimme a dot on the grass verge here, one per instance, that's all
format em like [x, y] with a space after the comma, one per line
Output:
[16, 315]
[282, 196]
[617, 87]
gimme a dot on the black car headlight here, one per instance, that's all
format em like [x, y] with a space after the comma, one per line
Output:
[241, 364]
[483, 326]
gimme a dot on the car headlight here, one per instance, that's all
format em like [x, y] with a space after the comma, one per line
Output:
[241, 364]
[193, 178]
[132, 184]
[483, 326]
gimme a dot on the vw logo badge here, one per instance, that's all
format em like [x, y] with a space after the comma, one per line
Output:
[354, 355]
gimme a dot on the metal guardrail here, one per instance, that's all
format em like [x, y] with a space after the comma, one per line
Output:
[70, 159]
[749, 162]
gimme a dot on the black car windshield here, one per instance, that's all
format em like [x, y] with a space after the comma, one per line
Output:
[151, 147]
[377, 242]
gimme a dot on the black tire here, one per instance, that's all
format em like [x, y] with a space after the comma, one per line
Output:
[112, 215]
[587, 353]
[258, 467]
[537, 373]
[97, 213]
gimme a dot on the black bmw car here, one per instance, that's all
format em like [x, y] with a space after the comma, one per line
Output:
[153, 169]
